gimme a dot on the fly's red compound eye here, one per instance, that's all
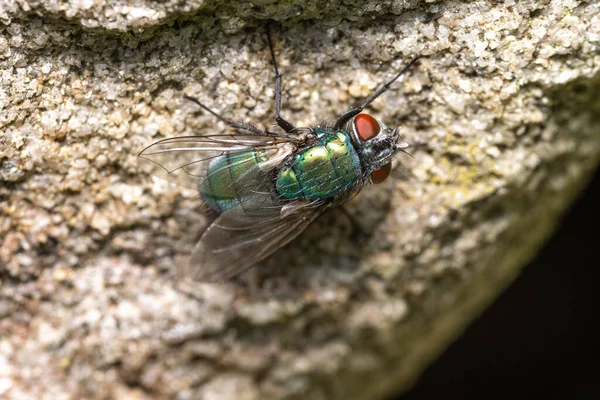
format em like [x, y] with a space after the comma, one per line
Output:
[366, 127]
[381, 174]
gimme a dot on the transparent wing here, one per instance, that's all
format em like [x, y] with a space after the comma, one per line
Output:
[186, 159]
[246, 234]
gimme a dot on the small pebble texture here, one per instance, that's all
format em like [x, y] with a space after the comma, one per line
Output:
[503, 112]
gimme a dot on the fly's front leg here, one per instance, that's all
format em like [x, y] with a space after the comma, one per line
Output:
[348, 115]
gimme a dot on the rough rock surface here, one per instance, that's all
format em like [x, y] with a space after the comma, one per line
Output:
[505, 108]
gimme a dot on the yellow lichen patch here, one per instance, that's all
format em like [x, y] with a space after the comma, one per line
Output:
[461, 169]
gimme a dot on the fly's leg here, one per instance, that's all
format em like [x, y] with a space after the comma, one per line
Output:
[236, 125]
[283, 124]
[348, 115]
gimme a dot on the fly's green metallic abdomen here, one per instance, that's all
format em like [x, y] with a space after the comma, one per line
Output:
[229, 181]
[321, 171]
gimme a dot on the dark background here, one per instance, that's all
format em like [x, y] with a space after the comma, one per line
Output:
[537, 340]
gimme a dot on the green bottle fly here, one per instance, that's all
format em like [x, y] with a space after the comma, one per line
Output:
[267, 187]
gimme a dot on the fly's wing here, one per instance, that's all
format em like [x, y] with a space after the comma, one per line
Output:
[259, 224]
[246, 234]
[186, 159]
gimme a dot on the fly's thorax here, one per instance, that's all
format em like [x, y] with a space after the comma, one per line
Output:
[323, 170]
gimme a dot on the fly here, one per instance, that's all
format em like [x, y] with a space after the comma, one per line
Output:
[267, 187]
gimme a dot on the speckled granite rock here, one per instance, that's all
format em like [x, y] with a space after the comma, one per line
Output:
[505, 107]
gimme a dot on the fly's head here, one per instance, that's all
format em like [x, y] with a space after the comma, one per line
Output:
[376, 145]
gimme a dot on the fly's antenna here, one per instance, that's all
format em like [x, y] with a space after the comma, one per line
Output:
[283, 124]
[348, 115]
[403, 145]
[236, 125]
[405, 152]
